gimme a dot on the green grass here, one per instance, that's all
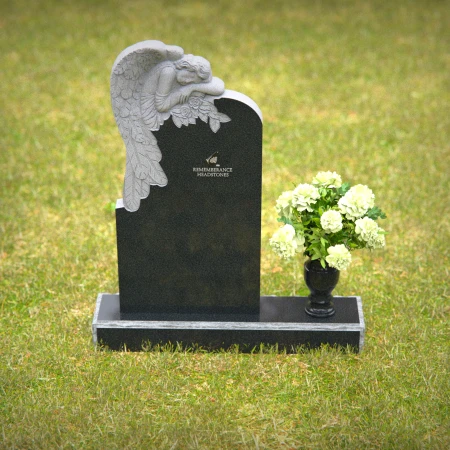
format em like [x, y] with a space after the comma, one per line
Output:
[359, 87]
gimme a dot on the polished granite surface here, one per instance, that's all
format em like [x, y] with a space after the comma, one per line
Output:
[194, 245]
[282, 322]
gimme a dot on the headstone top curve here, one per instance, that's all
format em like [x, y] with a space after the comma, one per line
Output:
[239, 96]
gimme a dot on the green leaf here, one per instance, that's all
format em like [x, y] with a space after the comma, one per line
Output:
[375, 213]
[343, 189]
[285, 220]
[323, 263]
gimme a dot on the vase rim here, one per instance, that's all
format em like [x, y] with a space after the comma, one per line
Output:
[310, 264]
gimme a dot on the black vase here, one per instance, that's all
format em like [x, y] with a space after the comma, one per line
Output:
[321, 282]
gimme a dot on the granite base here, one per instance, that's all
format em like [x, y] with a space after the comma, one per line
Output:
[282, 321]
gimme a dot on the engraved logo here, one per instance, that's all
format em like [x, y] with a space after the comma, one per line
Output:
[212, 160]
[213, 169]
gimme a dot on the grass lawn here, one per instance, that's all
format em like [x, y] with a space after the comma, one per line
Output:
[359, 87]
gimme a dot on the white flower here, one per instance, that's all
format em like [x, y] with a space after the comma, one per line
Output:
[305, 195]
[369, 232]
[356, 202]
[366, 228]
[338, 257]
[328, 179]
[284, 203]
[380, 240]
[285, 243]
[331, 221]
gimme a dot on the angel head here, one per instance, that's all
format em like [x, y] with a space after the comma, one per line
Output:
[193, 69]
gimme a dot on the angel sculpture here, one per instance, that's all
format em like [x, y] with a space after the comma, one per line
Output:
[150, 82]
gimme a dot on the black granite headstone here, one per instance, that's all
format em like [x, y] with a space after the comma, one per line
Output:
[189, 223]
[193, 247]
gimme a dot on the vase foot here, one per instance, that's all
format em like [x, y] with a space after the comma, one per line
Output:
[320, 311]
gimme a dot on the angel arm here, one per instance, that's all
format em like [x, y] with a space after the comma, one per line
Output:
[215, 87]
[166, 101]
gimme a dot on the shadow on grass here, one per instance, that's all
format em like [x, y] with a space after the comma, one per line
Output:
[262, 349]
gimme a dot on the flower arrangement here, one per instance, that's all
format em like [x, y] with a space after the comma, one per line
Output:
[326, 220]
[198, 107]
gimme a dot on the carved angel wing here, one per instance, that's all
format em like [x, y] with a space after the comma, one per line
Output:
[137, 74]
[143, 154]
